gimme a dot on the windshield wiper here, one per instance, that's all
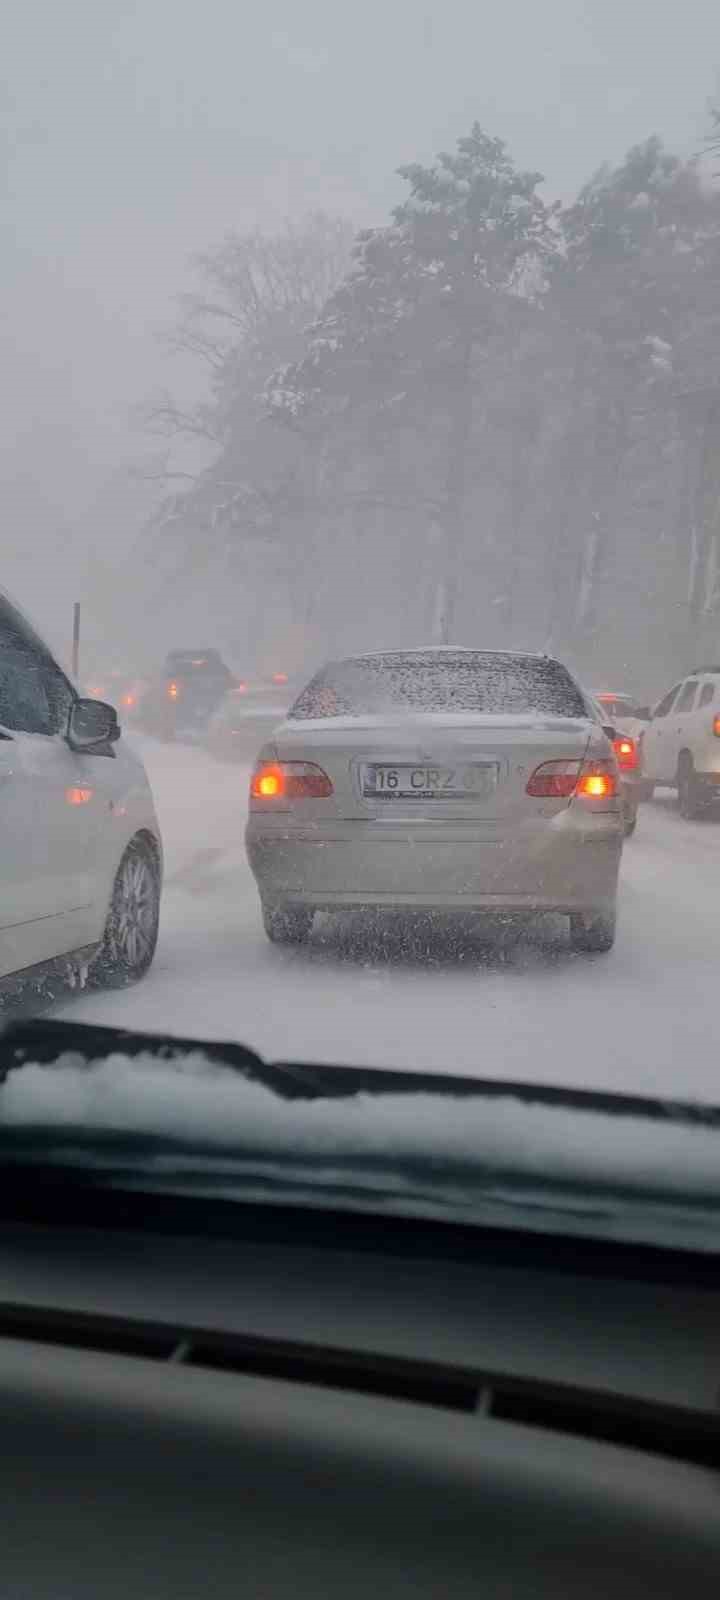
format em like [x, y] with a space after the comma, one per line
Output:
[45, 1041]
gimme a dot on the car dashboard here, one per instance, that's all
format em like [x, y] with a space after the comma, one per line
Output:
[285, 1405]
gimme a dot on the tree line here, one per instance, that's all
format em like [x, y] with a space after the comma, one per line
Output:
[491, 420]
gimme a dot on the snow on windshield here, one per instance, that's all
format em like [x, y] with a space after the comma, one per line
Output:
[375, 360]
[447, 681]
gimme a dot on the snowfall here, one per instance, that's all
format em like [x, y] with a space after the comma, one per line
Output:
[642, 1019]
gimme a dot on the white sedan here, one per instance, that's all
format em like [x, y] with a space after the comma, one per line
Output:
[438, 779]
[81, 866]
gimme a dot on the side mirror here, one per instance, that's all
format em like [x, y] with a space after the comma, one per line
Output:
[610, 733]
[92, 727]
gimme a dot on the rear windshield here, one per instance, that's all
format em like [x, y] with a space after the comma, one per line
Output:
[617, 706]
[197, 663]
[452, 681]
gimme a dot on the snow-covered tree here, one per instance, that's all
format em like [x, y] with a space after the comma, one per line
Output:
[411, 336]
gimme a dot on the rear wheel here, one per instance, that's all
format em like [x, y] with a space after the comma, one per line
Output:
[592, 930]
[689, 798]
[131, 929]
[630, 824]
[287, 924]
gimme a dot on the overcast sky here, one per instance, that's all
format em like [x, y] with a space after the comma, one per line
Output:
[138, 131]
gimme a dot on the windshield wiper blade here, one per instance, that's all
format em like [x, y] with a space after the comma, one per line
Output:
[44, 1041]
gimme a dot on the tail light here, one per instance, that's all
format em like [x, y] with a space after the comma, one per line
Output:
[716, 727]
[554, 780]
[128, 700]
[78, 797]
[280, 677]
[626, 753]
[173, 690]
[290, 780]
[598, 780]
[560, 780]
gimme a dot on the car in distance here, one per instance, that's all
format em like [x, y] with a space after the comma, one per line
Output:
[122, 688]
[182, 698]
[628, 754]
[681, 745]
[247, 716]
[629, 718]
[81, 865]
[449, 780]
[624, 712]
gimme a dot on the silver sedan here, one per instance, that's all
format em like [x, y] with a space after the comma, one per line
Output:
[451, 780]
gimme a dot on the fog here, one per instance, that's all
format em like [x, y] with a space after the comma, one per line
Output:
[138, 135]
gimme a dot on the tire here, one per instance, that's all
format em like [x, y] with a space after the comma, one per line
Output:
[630, 825]
[287, 924]
[131, 930]
[592, 931]
[689, 800]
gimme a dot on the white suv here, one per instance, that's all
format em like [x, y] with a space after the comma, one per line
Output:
[81, 862]
[681, 744]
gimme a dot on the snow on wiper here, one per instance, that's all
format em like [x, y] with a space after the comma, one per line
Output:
[216, 1116]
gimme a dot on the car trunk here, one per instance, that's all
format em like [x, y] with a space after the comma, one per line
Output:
[412, 772]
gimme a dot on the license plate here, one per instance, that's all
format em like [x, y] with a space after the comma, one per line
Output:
[468, 781]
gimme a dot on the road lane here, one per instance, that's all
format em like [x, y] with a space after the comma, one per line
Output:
[644, 1018]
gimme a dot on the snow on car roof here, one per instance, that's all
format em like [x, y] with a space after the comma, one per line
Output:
[450, 649]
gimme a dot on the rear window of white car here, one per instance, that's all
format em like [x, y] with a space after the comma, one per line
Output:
[450, 681]
[617, 706]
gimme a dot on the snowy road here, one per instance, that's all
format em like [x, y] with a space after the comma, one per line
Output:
[644, 1018]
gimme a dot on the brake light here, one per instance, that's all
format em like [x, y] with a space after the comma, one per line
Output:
[560, 780]
[290, 780]
[554, 780]
[267, 784]
[598, 781]
[280, 677]
[716, 727]
[626, 751]
[128, 700]
[173, 690]
[78, 797]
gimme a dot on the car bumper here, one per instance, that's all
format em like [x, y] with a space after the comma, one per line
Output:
[571, 864]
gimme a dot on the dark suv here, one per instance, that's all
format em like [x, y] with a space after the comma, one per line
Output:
[187, 692]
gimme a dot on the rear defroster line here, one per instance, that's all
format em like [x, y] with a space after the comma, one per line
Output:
[677, 1432]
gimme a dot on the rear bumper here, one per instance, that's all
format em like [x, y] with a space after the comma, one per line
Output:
[570, 864]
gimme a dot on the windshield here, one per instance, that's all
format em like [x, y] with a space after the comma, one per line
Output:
[360, 473]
